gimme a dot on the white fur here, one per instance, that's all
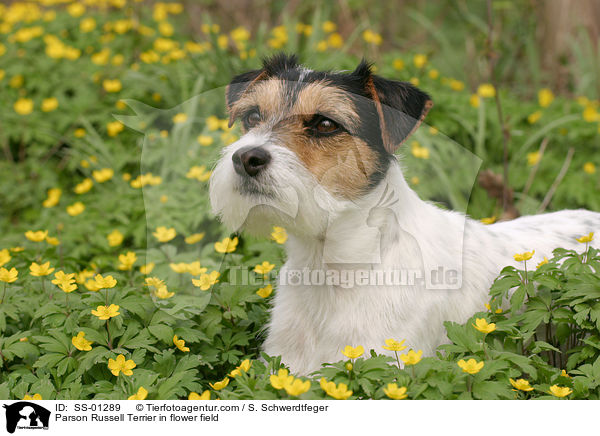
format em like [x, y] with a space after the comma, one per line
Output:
[310, 324]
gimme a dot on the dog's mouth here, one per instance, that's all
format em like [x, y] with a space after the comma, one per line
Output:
[251, 187]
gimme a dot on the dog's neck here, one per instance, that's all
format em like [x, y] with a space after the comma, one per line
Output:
[390, 226]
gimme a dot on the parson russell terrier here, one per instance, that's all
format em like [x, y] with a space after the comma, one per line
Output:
[317, 158]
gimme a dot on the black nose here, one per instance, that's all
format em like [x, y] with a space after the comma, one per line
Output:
[250, 160]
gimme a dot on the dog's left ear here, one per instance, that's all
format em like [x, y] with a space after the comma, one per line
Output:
[238, 86]
[401, 107]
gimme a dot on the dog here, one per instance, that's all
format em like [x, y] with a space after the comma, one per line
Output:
[317, 158]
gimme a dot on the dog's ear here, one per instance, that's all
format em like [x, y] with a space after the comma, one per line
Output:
[401, 107]
[238, 86]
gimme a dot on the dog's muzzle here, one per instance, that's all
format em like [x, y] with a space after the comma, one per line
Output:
[250, 160]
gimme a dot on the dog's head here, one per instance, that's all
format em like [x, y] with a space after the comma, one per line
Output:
[308, 132]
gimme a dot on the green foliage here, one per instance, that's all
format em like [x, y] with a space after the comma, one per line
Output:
[136, 164]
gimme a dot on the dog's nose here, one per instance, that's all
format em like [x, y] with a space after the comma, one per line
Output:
[250, 160]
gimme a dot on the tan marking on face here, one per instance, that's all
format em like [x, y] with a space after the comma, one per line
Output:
[322, 98]
[267, 95]
[342, 164]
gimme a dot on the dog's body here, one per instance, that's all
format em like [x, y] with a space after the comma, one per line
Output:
[341, 195]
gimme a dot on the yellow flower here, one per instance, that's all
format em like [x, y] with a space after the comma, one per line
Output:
[471, 366]
[63, 279]
[162, 234]
[49, 104]
[243, 367]
[486, 90]
[114, 128]
[329, 26]
[163, 293]
[141, 394]
[590, 114]
[205, 140]
[418, 151]
[433, 74]
[220, 385]
[199, 173]
[456, 85]
[7, 276]
[394, 392]
[196, 237]
[91, 285]
[522, 257]
[121, 365]
[180, 343]
[545, 97]
[489, 220]
[265, 292]
[23, 106]
[82, 276]
[533, 158]
[264, 268]
[194, 396]
[81, 343]
[52, 240]
[589, 168]
[227, 245]
[84, 186]
[206, 280]
[75, 208]
[586, 239]
[179, 268]
[106, 312]
[76, 9]
[127, 260]
[79, 133]
[474, 100]
[372, 37]
[398, 64]
[411, 358]
[115, 238]
[195, 269]
[353, 353]
[534, 117]
[280, 380]
[53, 197]
[420, 60]
[147, 269]
[563, 373]
[394, 345]
[36, 236]
[482, 325]
[107, 282]
[180, 118]
[543, 262]
[279, 235]
[87, 25]
[38, 270]
[103, 175]
[521, 385]
[559, 392]
[112, 85]
[35, 397]
[297, 387]
[335, 40]
[5, 256]
[339, 392]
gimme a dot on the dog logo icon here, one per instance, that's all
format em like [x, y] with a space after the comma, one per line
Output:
[26, 415]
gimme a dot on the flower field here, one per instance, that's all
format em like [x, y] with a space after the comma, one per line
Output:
[116, 279]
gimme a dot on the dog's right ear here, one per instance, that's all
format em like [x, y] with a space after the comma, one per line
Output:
[238, 86]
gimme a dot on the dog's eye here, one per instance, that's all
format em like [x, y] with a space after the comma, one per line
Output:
[251, 119]
[321, 125]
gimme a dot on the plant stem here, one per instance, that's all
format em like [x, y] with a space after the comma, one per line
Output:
[3, 293]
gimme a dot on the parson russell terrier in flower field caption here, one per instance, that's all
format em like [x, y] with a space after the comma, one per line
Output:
[317, 158]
